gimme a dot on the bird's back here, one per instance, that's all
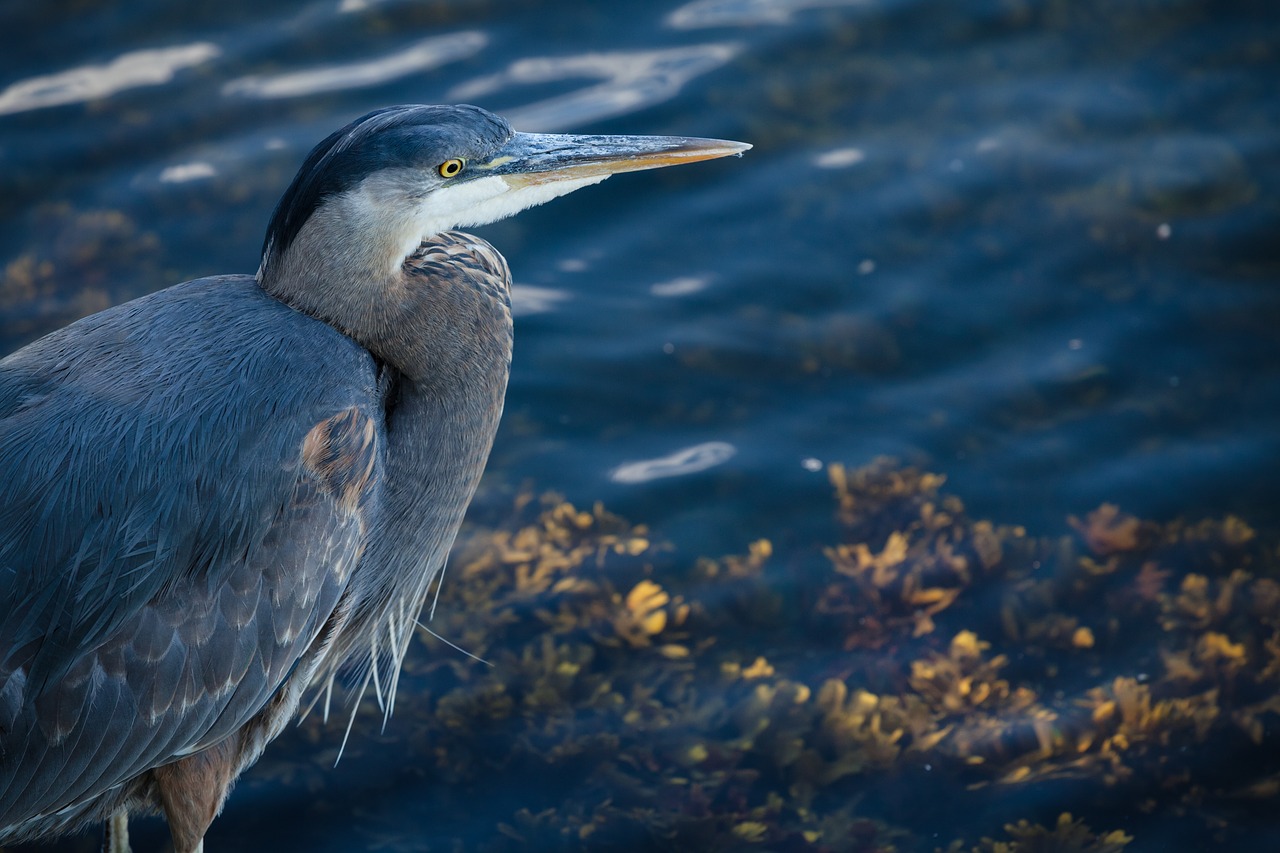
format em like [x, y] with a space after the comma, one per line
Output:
[186, 481]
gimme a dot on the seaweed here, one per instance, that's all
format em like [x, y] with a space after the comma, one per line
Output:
[1125, 672]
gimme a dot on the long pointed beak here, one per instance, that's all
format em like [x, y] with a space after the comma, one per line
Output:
[533, 158]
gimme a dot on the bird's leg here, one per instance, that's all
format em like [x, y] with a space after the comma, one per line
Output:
[192, 791]
[115, 836]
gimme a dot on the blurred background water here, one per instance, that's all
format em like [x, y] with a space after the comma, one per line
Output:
[1032, 246]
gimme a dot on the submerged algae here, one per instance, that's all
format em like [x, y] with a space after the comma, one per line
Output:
[922, 682]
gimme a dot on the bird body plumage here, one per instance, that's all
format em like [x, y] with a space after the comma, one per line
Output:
[219, 495]
[175, 581]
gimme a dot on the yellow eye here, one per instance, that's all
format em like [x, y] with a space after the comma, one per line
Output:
[451, 168]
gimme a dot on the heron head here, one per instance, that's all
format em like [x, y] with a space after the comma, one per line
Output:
[407, 172]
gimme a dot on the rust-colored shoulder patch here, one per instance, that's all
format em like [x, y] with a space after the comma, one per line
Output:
[341, 451]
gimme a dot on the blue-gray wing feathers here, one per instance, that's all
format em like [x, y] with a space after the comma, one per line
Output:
[186, 482]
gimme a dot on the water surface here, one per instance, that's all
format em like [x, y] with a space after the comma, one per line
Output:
[1029, 246]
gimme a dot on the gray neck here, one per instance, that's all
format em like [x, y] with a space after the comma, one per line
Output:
[436, 451]
[443, 322]
[345, 267]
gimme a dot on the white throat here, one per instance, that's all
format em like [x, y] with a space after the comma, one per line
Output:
[480, 201]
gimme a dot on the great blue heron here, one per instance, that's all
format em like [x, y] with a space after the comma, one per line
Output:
[215, 496]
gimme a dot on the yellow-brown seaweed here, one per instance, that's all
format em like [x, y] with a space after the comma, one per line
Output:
[766, 700]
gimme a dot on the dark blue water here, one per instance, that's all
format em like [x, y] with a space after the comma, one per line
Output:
[1030, 246]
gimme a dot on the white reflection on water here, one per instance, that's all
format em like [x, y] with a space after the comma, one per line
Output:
[184, 172]
[743, 13]
[531, 299]
[629, 81]
[90, 82]
[682, 286]
[700, 457]
[422, 56]
[840, 158]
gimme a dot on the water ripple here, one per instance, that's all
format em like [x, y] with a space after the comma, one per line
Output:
[150, 67]
[840, 158]
[530, 299]
[421, 56]
[744, 13]
[682, 286]
[700, 457]
[629, 81]
[184, 172]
